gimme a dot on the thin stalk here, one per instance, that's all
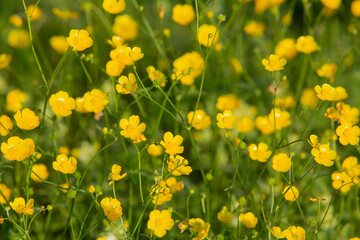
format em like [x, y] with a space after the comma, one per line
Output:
[139, 165]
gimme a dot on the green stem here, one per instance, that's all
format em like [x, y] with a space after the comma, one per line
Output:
[139, 164]
[83, 222]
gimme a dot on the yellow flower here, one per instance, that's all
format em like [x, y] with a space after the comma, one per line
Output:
[161, 193]
[183, 14]
[306, 44]
[5, 192]
[114, 68]
[326, 92]
[80, 105]
[276, 231]
[34, 12]
[282, 118]
[112, 208]
[201, 120]
[114, 6]
[188, 67]
[245, 124]
[327, 70]
[351, 167]
[309, 98]
[260, 152]
[285, 102]
[208, 35]
[178, 165]
[41, 171]
[156, 75]
[5, 125]
[64, 164]
[65, 14]
[79, 39]
[115, 173]
[91, 189]
[224, 215]
[61, 104]
[160, 222]
[264, 125]
[27, 119]
[226, 119]
[287, 19]
[262, 5]
[227, 102]
[18, 39]
[95, 101]
[294, 233]
[59, 44]
[355, 8]
[17, 149]
[133, 129]
[235, 65]
[274, 63]
[172, 144]
[331, 4]
[125, 27]
[342, 94]
[14, 100]
[126, 55]
[281, 162]
[19, 206]
[348, 134]
[126, 84]
[286, 49]
[324, 155]
[343, 113]
[16, 20]
[200, 227]
[290, 193]
[167, 32]
[154, 150]
[341, 180]
[5, 60]
[248, 219]
[116, 41]
[254, 28]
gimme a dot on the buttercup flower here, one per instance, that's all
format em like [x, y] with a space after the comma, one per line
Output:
[115, 174]
[274, 63]
[114, 6]
[17, 149]
[348, 134]
[126, 84]
[112, 208]
[355, 8]
[64, 164]
[59, 44]
[260, 152]
[183, 14]
[248, 219]
[326, 92]
[18, 39]
[201, 120]
[177, 165]
[264, 125]
[79, 39]
[224, 215]
[331, 4]
[5, 60]
[116, 41]
[208, 35]
[19, 206]
[133, 129]
[172, 144]
[327, 70]
[306, 44]
[294, 233]
[285, 102]
[16, 20]
[161, 193]
[343, 113]
[200, 227]
[6, 192]
[65, 14]
[281, 162]
[154, 150]
[324, 155]
[160, 222]
[61, 104]
[156, 75]
[254, 28]
[14, 100]
[282, 118]
[342, 181]
[34, 12]
[227, 102]
[351, 167]
[245, 124]
[95, 101]
[188, 67]
[286, 49]
[125, 27]
[235, 65]
[26, 119]
[226, 119]
[5, 125]
[342, 94]
[41, 171]
[114, 68]
[309, 98]
[290, 193]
